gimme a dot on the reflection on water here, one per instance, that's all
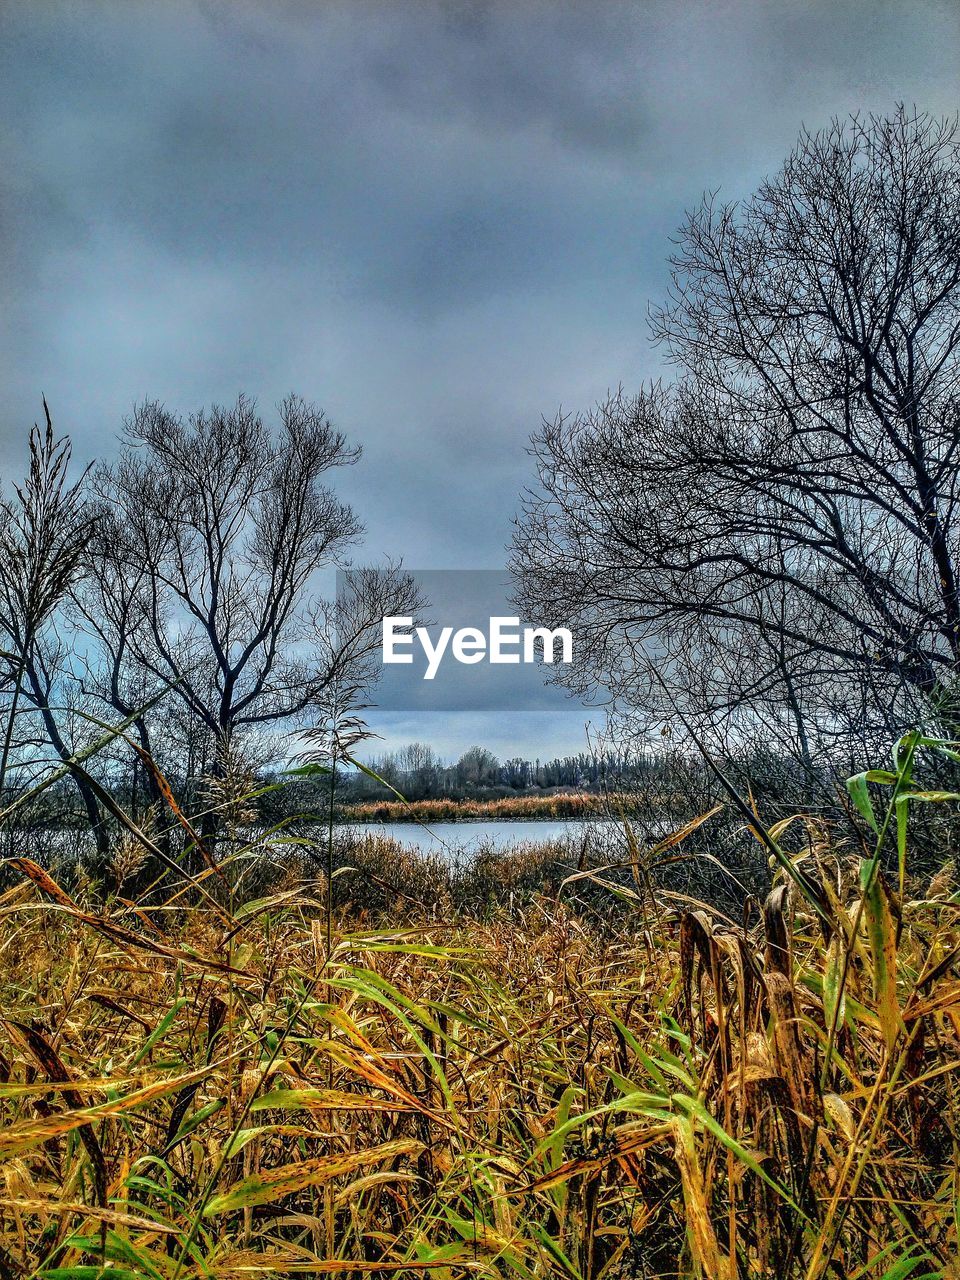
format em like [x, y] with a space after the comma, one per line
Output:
[468, 837]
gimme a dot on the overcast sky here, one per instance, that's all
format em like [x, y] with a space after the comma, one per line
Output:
[439, 221]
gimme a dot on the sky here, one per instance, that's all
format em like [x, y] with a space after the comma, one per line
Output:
[439, 221]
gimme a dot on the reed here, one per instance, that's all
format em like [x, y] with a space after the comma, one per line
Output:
[559, 806]
[214, 1092]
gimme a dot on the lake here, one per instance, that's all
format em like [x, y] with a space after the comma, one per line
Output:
[469, 837]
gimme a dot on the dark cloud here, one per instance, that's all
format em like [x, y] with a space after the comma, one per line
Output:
[439, 220]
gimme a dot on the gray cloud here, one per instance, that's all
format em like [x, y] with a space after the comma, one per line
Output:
[439, 220]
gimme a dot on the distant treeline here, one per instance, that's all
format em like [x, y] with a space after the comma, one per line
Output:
[418, 773]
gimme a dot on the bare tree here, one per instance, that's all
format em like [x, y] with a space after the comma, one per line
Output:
[214, 533]
[779, 527]
[45, 531]
[477, 767]
[110, 605]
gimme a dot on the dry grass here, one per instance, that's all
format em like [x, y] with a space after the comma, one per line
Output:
[563, 804]
[380, 880]
[186, 1094]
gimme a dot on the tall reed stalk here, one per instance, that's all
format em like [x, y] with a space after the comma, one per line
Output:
[526, 1095]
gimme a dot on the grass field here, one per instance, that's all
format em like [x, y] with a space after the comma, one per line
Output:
[220, 1091]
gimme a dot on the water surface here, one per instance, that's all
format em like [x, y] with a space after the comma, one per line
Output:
[469, 837]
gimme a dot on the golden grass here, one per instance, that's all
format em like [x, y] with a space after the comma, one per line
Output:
[561, 805]
[184, 1095]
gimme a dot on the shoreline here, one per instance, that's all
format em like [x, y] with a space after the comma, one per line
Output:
[563, 807]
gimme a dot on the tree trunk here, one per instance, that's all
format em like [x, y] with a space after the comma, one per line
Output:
[98, 826]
